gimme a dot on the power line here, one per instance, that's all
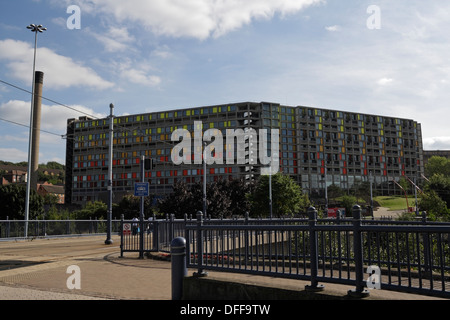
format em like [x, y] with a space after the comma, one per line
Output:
[65, 136]
[27, 126]
[50, 100]
[61, 104]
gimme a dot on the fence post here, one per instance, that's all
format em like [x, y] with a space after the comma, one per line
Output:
[121, 235]
[313, 242]
[156, 226]
[179, 269]
[171, 226]
[141, 236]
[8, 227]
[201, 272]
[426, 245]
[359, 291]
[246, 239]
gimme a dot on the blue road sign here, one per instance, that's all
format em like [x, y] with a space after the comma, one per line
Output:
[141, 189]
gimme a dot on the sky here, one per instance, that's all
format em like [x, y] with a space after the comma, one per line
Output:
[384, 57]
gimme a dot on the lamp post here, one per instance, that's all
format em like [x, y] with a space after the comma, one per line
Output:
[108, 240]
[270, 194]
[326, 189]
[204, 179]
[36, 29]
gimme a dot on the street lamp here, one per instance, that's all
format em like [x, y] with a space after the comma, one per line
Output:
[204, 179]
[108, 240]
[36, 29]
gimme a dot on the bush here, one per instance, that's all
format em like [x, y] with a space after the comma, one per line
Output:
[348, 202]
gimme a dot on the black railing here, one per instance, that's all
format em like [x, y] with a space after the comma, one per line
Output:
[407, 257]
[15, 229]
[410, 256]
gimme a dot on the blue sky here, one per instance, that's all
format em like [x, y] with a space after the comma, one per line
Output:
[153, 55]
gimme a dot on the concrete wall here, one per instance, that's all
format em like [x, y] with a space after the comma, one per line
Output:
[212, 289]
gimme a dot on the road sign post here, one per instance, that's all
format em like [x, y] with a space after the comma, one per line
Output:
[141, 189]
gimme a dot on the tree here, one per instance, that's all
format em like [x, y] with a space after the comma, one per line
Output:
[238, 191]
[218, 199]
[436, 192]
[334, 192]
[92, 210]
[12, 202]
[224, 198]
[362, 191]
[348, 202]
[287, 197]
[178, 202]
[433, 204]
[130, 207]
[54, 165]
[437, 165]
[440, 184]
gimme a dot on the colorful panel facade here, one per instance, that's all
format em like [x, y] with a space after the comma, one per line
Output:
[316, 146]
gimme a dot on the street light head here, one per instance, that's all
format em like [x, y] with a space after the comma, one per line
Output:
[35, 28]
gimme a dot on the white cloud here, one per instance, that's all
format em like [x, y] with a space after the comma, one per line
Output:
[53, 118]
[333, 28]
[436, 143]
[195, 18]
[162, 52]
[60, 72]
[13, 155]
[115, 40]
[137, 73]
[140, 77]
[385, 81]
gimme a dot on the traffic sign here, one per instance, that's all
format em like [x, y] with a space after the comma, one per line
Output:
[141, 189]
[126, 228]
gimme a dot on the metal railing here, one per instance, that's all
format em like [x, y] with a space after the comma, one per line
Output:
[408, 256]
[155, 235]
[15, 229]
[411, 256]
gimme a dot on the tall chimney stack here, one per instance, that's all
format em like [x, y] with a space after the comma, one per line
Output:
[38, 83]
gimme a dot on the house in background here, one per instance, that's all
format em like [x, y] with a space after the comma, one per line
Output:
[14, 176]
[49, 189]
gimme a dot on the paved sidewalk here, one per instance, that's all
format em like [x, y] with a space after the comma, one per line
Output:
[17, 293]
[37, 270]
[103, 274]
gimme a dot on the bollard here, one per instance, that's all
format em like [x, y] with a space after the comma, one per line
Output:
[359, 292]
[179, 270]
[315, 286]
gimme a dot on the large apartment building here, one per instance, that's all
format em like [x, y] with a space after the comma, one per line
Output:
[317, 147]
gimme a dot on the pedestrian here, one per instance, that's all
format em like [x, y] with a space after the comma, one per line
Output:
[135, 226]
[150, 225]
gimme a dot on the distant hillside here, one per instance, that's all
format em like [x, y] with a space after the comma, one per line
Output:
[52, 172]
[49, 165]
